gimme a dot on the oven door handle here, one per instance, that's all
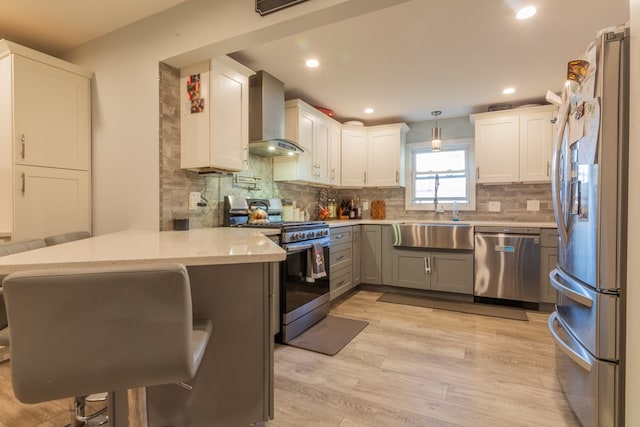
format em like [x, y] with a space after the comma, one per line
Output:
[303, 246]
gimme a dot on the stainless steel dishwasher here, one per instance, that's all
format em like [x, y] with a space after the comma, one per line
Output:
[507, 263]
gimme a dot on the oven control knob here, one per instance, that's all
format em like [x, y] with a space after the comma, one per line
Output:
[310, 234]
[301, 235]
[325, 232]
[294, 236]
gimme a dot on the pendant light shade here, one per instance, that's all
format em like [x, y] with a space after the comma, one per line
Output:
[436, 141]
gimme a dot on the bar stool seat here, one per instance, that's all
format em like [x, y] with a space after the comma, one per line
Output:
[140, 318]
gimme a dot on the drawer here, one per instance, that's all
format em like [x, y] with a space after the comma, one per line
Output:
[549, 237]
[340, 281]
[340, 255]
[340, 235]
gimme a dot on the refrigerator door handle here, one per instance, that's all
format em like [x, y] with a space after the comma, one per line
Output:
[563, 114]
[571, 353]
[582, 299]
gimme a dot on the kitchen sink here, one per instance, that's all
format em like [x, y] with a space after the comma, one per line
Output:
[434, 235]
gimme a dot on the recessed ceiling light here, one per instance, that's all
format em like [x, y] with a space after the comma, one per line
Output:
[368, 110]
[508, 91]
[526, 12]
[312, 63]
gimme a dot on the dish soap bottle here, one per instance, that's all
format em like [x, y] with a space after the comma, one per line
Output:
[455, 212]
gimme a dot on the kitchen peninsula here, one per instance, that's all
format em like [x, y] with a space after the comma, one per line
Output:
[231, 285]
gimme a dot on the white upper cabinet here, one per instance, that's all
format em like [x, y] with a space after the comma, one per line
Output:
[214, 119]
[385, 155]
[354, 156]
[514, 145]
[373, 156]
[312, 130]
[52, 115]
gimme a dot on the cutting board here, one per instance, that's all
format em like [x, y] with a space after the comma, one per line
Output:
[378, 209]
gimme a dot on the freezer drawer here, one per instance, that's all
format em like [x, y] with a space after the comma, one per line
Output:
[589, 384]
[591, 316]
[507, 266]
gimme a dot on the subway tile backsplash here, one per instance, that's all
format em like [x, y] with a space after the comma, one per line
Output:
[176, 183]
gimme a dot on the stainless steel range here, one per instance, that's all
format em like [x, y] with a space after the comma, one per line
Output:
[304, 298]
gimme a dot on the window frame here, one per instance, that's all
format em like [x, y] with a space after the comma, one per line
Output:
[447, 145]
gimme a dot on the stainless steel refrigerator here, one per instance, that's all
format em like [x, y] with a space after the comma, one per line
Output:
[589, 189]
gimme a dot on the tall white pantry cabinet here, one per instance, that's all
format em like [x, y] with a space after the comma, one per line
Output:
[45, 144]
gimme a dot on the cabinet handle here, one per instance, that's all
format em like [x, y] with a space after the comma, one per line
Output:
[365, 177]
[397, 177]
[432, 268]
[477, 172]
[23, 184]
[548, 169]
[427, 265]
[340, 258]
[333, 174]
[22, 151]
[245, 156]
[339, 236]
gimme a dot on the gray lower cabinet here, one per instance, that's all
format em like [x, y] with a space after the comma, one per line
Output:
[548, 261]
[371, 254]
[340, 261]
[387, 254]
[356, 244]
[433, 270]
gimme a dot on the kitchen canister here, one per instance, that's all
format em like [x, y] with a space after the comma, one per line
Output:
[287, 213]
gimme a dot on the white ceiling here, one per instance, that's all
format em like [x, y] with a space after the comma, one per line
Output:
[404, 61]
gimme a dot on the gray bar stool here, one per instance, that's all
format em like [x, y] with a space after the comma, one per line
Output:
[66, 237]
[141, 317]
[8, 249]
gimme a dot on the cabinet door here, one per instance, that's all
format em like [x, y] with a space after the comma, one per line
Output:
[383, 158]
[51, 116]
[497, 149]
[229, 116]
[354, 157]
[410, 269]
[356, 244]
[321, 151]
[194, 126]
[387, 254]
[536, 135]
[50, 201]
[371, 256]
[334, 154]
[452, 272]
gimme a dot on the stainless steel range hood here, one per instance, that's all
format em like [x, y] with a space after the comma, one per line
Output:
[266, 118]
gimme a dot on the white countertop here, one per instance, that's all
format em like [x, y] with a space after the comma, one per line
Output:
[207, 246]
[341, 223]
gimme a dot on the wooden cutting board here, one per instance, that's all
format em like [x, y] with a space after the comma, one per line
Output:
[378, 209]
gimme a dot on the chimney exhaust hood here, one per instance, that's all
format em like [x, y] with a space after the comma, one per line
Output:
[266, 118]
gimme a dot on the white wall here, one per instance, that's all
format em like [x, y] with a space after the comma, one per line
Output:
[633, 270]
[125, 88]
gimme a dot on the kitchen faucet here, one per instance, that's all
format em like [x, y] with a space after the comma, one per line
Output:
[436, 211]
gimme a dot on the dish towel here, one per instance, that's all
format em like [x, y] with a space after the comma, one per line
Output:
[315, 262]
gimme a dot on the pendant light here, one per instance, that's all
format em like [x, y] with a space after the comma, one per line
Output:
[436, 142]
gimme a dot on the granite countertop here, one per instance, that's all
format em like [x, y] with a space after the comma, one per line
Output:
[340, 223]
[206, 246]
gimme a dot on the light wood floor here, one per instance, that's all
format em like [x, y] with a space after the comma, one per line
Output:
[415, 366]
[411, 366]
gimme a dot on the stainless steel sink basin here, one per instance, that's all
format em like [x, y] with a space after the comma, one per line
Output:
[434, 236]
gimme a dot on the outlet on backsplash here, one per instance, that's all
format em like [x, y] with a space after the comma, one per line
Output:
[533, 205]
[494, 206]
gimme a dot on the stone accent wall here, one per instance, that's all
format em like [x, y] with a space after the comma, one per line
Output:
[176, 183]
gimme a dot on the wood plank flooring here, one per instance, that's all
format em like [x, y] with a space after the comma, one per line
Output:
[411, 366]
[415, 366]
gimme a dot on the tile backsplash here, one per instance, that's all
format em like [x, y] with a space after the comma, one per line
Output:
[176, 183]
